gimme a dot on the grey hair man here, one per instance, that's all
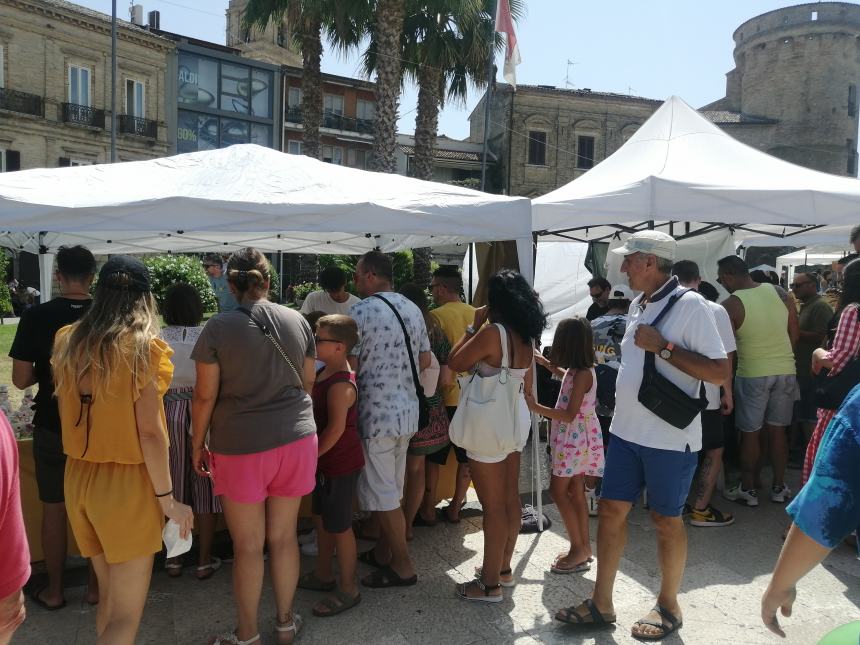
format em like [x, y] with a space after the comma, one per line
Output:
[646, 450]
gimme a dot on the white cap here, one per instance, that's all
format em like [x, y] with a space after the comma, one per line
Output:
[621, 292]
[649, 242]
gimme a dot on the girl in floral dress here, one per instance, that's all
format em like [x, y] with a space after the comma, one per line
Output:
[575, 441]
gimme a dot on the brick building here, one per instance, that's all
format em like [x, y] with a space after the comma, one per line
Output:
[349, 112]
[55, 90]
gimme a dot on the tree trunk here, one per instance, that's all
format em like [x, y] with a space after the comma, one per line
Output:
[312, 106]
[388, 28]
[430, 86]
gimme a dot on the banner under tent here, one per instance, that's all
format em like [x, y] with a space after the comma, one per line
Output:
[247, 195]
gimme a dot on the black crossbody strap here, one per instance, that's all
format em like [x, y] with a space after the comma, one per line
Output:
[408, 342]
[650, 364]
[268, 334]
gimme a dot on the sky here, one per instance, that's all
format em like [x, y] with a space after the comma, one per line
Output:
[653, 49]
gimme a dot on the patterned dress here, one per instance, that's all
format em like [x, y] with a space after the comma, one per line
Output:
[435, 436]
[846, 345]
[577, 447]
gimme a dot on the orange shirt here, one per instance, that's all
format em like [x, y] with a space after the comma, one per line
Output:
[112, 424]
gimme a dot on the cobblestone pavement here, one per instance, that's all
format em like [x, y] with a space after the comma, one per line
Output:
[727, 571]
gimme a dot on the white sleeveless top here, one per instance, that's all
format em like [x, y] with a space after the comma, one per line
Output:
[182, 341]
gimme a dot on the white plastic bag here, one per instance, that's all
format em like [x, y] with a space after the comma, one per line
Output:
[173, 542]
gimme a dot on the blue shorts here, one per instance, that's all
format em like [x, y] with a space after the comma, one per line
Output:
[666, 474]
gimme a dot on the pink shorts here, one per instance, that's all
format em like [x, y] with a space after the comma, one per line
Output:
[286, 471]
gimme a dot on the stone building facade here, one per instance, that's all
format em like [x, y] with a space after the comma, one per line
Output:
[270, 45]
[544, 137]
[55, 94]
[793, 92]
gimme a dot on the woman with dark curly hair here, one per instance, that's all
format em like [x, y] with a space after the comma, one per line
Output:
[516, 318]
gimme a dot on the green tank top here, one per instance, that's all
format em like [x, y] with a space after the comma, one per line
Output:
[764, 348]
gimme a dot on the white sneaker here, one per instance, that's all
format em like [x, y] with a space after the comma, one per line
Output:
[310, 536]
[738, 494]
[780, 495]
[310, 548]
[591, 499]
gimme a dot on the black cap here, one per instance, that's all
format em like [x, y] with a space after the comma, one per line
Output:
[125, 273]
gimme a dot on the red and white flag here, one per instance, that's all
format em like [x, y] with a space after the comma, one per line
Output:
[505, 25]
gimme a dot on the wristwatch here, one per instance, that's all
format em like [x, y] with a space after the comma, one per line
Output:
[666, 352]
[471, 330]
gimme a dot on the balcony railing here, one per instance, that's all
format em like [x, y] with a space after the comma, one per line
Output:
[22, 102]
[340, 122]
[294, 114]
[138, 126]
[83, 115]
[333, 121]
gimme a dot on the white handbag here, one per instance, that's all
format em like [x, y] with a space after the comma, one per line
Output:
[488, 412]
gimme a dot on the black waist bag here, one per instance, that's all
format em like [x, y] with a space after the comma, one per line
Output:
[664, 398]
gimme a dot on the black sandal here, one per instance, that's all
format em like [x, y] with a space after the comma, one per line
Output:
[387, 577]
[675, 624]
[369, 557]
[568, 615]
[463, 591]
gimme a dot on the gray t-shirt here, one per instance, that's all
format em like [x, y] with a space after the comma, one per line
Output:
[260, 402]
[387, 404]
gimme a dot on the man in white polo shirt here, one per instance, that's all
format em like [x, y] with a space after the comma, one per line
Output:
[645, 450]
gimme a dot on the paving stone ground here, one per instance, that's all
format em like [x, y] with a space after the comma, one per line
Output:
[728, 569]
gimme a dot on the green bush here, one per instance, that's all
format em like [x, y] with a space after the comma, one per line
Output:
[167, 270]
[5, 296]
[402, 268]
[274, 284]
[301, 290]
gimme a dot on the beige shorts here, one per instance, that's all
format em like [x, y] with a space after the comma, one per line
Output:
[761, 400]
[380, 485]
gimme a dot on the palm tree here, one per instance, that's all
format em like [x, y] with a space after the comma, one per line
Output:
[344, 22]
[447, 45]
[386, 33]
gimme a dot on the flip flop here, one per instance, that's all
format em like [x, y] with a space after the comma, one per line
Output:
[674, 624]
[35, 597]
[337, 604]
[369, 557]
[577, 568]
[311, 582]
[444, 512]
[387, 577]
[206, 571]
[568, 615]
[174, 569]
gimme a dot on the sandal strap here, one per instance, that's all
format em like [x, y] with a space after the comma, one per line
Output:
[487, 588]
[596, 616]
[293, 626]
[673, 620]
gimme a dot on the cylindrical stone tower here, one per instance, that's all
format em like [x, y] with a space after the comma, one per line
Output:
[800, 67]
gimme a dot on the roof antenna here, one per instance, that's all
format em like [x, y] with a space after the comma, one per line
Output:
[567, 82]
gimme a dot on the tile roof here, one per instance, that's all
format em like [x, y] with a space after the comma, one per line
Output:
[727, 117]
[449, 155]
[583, 92]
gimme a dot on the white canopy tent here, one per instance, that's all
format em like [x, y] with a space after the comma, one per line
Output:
[247, 195]
[680, 173]
[787, 264]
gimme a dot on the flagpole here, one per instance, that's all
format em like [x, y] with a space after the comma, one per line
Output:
[491, 77]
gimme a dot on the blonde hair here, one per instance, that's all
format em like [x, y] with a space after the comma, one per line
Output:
[342, 328]
[248, 271]
[116, 331]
